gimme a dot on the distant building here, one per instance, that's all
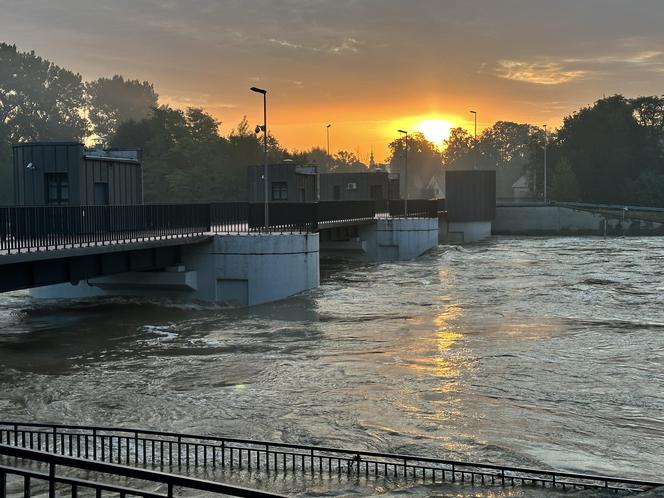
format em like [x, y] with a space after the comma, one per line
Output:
[436, 187]
[66, 174]
[521, 189]
[372, 185]
[287, 182]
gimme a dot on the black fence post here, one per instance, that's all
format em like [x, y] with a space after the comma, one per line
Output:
[314, 221]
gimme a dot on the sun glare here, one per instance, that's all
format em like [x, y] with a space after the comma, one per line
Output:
[435, 130]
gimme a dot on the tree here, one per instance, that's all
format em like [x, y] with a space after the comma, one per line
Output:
[649, 113]
[424, 162]
[647, 189]
[316, 156]
[38, 101]
[112, 101]
[563, 184]
[347, 162]
[183, 155]
[607, 149]
[458, 149]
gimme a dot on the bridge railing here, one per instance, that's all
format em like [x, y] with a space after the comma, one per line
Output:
[283, 217]
[345, 211]
[417, 208]
[42, 228]
[35, 228]
[175, 451]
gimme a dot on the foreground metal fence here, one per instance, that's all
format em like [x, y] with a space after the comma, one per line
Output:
[163, 449]
[35, 473]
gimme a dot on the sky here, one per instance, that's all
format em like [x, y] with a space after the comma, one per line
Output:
[368, 67]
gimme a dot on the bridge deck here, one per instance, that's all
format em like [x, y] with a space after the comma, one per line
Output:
[43, 253]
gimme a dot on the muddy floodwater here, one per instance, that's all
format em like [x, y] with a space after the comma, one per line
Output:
[540, 352]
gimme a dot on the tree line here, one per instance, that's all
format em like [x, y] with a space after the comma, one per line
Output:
[608, 152]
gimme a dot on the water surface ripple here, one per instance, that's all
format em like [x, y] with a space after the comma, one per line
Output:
[546, 352]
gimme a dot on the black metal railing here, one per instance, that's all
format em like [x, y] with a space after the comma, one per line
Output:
[42, 228]
[417, 208]
[284, 217]
[35, 473]
[163, 449]
[345, 211]
[46, 228]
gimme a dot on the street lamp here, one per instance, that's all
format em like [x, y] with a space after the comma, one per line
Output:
[546, 140]
[474, 113]
[328, 146]
[264, 128]
[405, 173]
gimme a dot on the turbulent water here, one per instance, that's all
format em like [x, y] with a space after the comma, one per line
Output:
[545, 352]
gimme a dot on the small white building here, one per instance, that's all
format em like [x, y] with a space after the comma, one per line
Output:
[521, 188]
[437, 186]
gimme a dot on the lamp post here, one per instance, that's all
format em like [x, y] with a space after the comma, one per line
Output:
[405, 174]
[546, 140]
[474, 113]
[264, 93]
[328, 145]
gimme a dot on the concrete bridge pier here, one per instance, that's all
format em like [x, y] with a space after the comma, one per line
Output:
[462, 232]
[241, 270]
[390, 239]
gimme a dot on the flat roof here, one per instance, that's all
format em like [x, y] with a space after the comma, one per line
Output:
[30, 144]
[111, 158]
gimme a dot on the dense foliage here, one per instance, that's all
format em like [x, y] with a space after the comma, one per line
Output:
[610, 152]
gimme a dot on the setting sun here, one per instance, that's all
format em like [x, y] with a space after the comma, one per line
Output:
[435, 130]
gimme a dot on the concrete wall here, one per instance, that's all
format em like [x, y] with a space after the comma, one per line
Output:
[240, 270]
[555, 220]
[395, 239]
[463, 232]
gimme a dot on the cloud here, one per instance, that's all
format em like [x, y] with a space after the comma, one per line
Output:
[346, 45]
[539, 73]
[644, 59]
[284, 43]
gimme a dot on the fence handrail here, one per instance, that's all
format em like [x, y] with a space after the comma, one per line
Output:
[391, 456]
[133, 472]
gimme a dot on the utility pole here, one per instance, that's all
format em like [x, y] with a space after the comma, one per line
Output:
[405, 172]
[546, 140]
[328, 146]
[265, 168]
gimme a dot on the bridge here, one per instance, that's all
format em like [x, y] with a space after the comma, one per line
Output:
[47, 245]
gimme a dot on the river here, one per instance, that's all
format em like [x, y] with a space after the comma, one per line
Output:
[542, 352]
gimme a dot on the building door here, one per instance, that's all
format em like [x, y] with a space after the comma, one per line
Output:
[302, 194]
[101, 194]
[376, 192]
[336, 193]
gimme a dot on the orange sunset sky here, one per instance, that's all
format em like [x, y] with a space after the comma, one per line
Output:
[368, 67]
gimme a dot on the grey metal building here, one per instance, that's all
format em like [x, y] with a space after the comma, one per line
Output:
[378, 185]
[470, 195]
[287, 182]
[65, 174]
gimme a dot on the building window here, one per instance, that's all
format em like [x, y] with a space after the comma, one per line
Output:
[279, 191]
[57, 188]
